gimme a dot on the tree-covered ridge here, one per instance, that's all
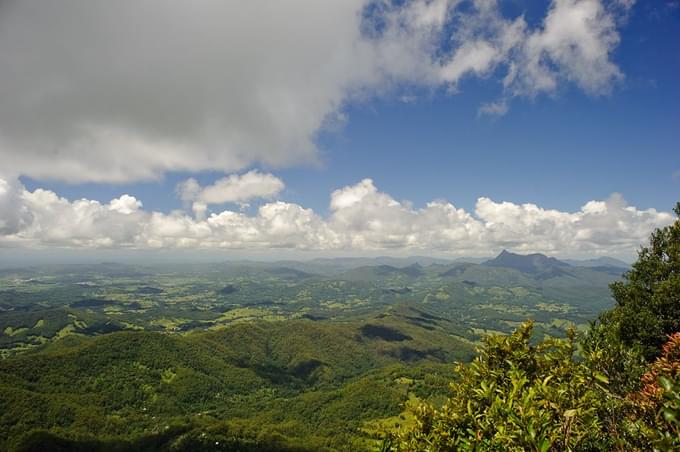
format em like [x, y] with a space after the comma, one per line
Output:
[299, 384]
[615, 388]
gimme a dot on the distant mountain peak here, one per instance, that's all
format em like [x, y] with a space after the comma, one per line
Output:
[535, 264]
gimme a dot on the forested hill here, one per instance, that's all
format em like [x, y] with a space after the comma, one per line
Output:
[308, 384]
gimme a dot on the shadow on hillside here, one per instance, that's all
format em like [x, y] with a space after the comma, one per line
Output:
[172, 439]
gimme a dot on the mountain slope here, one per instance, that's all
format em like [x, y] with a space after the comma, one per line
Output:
[538, 265]
[603, 261]
[126, 384]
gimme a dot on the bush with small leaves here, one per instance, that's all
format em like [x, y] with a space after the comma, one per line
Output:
[519, 396]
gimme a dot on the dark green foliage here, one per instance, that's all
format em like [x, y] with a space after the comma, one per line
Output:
[621, 364]
[664, 431]
[92, 303]
[383, 332]
[648, 300]
[185, 438]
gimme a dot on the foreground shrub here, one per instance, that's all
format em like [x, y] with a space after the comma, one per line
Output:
[657, 403]
[519, 396]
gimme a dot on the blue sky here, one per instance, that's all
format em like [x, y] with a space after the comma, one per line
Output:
[557, 151]
[418, 136]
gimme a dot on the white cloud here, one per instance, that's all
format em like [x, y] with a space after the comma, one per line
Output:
[371, 220]
[13, 214]
[600, 227]
[106, 91]
[574, 44]
[235, 188]
[361, 219]
[125, 204]
[57, 221]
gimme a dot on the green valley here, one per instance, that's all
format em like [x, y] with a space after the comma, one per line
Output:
[315, 355]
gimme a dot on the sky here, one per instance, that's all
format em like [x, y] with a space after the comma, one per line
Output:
[348, 127]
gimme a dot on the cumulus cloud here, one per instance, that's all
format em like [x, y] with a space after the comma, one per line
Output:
[56, 221]
[106, 91]
[14, 215]
[600, 226]
[125, 204]
[231, 189]
[372, 220]
[361, 219]
[574, 44]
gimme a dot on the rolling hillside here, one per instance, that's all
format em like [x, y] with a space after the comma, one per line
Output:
[121, 386]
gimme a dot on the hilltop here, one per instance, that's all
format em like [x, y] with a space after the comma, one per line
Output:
[536, 264]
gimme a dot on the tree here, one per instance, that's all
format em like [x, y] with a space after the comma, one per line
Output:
[648, 300]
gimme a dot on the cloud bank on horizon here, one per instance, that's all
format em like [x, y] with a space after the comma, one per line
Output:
[361, 219]
[121, 91]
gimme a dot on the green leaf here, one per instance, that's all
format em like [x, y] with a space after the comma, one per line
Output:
[669, 415]
[666, 384]
[601, 378]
